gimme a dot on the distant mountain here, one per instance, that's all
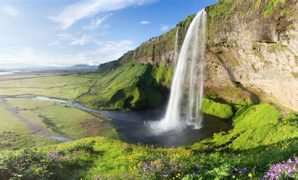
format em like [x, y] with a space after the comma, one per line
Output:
[3, 70]
[84, 67]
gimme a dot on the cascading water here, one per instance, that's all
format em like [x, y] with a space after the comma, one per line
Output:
[187, 85]
[176, 50]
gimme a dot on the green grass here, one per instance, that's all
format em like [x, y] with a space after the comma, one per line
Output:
[26, 104]
[69, 121]
[60, 86]
[131, 87]
[226, 9]
[163, 75]
[13, 133]
[223, 10]
[220, 110]
[151, 51]
[256, 115]
[271, 5]
[257, 125]
[55, 118]
[260, 138]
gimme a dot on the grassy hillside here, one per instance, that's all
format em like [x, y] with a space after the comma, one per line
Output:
[130, 87]
[260, 139]
[138, 87]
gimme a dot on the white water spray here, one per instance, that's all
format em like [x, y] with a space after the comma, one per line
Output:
[187, 85]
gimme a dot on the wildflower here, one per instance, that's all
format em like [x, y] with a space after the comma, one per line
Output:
[241, 170]
[288, 168]
[164, 174]
[54, 155]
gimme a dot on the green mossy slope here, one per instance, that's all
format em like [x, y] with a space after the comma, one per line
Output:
[254, 126]
[130, 87]
[220, 110]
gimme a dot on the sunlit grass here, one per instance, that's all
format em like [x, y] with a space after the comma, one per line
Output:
[59, 86]
[246, 151]
[54, 119]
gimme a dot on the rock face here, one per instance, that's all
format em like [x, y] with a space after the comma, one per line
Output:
[252, 52]
[255, 51]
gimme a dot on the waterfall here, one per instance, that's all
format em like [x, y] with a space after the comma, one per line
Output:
[188, 81]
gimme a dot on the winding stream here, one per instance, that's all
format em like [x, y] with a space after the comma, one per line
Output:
[133, 126]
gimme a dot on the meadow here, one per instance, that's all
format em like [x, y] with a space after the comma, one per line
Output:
[65, 86]
[238, 154]
[29, 122]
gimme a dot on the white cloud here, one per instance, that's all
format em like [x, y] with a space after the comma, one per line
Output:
[95, 23]
[112, 50]
[69, 39]
[80, 41]
[54, 43]
[9, 10]
[12, 57]
[64, 36]
[145, 22]
[165, 27]
[87, 8]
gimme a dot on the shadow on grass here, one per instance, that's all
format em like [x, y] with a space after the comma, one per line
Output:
[47, 121]
[71, 163]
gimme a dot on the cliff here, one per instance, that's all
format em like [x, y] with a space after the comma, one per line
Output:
[252, 53]
[252, 45]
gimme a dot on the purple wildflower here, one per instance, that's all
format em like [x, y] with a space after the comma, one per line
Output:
[148, 167]
[288, 168]
[54, 155]
[241, 170]
[165, 174]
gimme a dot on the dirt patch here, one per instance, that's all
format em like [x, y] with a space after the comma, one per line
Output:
[35, 129]
[92, 127]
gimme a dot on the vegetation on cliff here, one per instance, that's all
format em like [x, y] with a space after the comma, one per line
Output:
[129, 87]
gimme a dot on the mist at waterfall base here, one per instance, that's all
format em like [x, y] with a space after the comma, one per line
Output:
[187, 86]
[133, 127]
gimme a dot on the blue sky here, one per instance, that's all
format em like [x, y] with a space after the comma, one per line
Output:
[37, 33]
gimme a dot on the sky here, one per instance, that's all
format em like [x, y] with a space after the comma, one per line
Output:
[56, 33]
